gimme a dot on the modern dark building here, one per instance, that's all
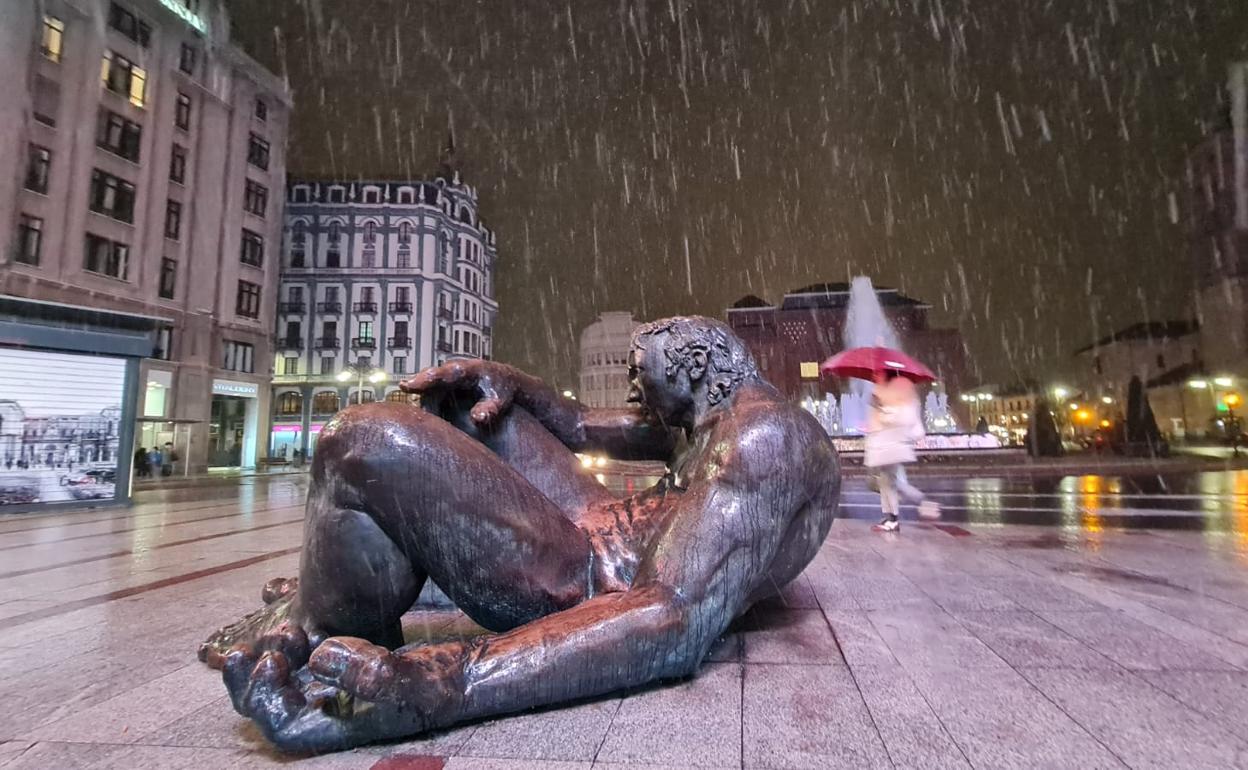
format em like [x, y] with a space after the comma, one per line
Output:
[791, 339]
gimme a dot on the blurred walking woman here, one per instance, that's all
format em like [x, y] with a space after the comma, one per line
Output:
[894, 426]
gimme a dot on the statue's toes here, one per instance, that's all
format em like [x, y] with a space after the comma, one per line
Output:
[357, 666]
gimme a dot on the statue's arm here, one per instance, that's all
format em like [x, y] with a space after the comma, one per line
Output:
[626, 433]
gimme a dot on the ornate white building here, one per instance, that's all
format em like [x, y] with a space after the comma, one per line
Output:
[604, 360]
[379, 280]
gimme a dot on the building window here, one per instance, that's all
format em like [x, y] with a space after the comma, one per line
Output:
[325, 402]
[164, 344]
[112, 196]
[253, 249]
[238, 356]
[168, 277]
[248, 305]
[366, 396]
[119, 136]
[29, 239]
[258, 152]
[186, 58]
[400, 365]
[173, 220]
[327, 364]
[398, 396]
[370, 232]
[53, 43]
[406, 196]
[256, 198]
[810, 370]
[261, 110]
[372, 195]
[337, 195]
[129, 25]
[124, 77]
[38, 164]
[405, 232]
[290, 403]
[177, 165]
[290, 366]
[46, 101]
[298, 244]
[300, 195]
[106, 257]
[182, 113]
[333, 257]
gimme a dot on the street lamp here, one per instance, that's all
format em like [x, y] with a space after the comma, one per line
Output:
[1232, 400]
[361, 370]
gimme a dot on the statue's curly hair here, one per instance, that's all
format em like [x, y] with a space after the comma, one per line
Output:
[728, 360]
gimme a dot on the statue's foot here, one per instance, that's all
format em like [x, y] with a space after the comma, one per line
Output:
[251, 629]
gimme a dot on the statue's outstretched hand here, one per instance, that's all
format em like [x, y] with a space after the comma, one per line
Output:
[493, 384]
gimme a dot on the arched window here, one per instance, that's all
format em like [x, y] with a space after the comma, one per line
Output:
[325, 402]
[366, 396]
[370, 232]
[299, 232]
[465, 215]
[399, 397]
[405, 232]
[290, 403]
[431, 194]
[335, 233]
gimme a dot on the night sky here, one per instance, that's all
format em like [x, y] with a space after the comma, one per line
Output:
[1010, 161]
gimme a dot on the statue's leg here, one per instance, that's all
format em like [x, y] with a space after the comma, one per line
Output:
[399, 495]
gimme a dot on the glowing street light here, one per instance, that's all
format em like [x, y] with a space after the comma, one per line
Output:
[1061, 393]
[1106, 400]
[1197, 384]
[1223, 382]
[360, 371]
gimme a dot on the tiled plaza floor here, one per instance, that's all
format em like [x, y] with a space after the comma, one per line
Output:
[983, 646]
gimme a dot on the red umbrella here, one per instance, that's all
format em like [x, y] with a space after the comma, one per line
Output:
[866, 363]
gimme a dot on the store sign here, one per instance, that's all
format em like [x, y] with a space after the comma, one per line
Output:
[185, 14]
[235, 388]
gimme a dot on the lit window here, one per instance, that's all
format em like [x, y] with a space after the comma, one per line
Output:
[810, 370]
[53, 43]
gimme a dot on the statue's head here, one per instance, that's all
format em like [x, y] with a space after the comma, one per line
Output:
[675, 363]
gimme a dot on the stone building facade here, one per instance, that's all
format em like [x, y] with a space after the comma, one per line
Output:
[143, 159]
[380, 279]
[604, 360]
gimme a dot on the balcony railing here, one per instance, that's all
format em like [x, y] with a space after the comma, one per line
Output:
[445, 312]
[487, 330]
[329, 307]
[399, 342]
[400, 307]
[328, 343]
[443, 347]
[290, 343]
[363, 343]
[365, 307]
[291, 307]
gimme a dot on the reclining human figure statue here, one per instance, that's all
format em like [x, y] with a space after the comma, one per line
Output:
[479, 490]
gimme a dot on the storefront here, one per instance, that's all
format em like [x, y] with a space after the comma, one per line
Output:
[286, 444]
[68, 398]
[233, 424]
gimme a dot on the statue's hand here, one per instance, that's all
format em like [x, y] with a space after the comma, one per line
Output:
[492, 383]
[349, 692]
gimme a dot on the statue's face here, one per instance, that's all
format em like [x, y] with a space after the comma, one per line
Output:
[649, 385]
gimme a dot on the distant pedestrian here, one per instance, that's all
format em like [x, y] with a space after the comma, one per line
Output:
[155, 460]
[894, 426]
[141, 468]
[169, 457]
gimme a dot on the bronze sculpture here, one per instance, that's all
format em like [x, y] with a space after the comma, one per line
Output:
[479, 490]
